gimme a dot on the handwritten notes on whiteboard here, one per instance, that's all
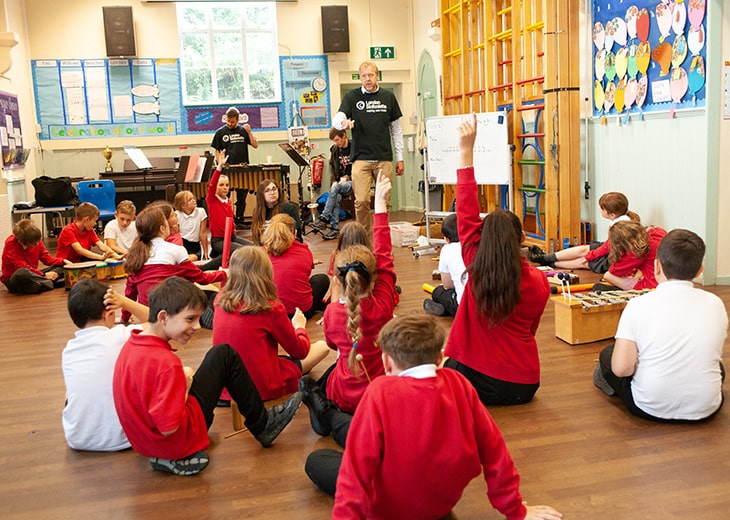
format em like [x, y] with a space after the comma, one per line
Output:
[492, 155]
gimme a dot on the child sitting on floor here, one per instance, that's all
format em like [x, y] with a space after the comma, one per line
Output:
[391, 468]
[193, 224]
[23, 250]
[251, 319]
[166, 409]
[631, 259]
[152, 259]
[120, 233]
[90, 421]
[351, 325]
[78, 238]
[445, 298]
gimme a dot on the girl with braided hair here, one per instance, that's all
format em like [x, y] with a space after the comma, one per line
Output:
[366, 281]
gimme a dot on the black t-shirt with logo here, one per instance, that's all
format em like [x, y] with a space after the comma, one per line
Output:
[234, 141]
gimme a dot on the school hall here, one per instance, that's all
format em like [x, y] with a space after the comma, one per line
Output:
[576, 449]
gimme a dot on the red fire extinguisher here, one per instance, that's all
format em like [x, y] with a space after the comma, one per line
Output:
[317, 170]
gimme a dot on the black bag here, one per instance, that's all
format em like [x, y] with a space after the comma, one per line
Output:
[50, 191]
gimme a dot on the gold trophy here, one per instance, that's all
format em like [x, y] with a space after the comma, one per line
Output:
[107, 153]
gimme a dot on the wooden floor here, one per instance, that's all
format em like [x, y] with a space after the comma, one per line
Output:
[576, 449]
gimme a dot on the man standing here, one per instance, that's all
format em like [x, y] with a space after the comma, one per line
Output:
[341, 184]
[377, 115]
[233, 140]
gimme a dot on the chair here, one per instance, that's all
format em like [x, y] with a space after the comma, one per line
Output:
[102, 194]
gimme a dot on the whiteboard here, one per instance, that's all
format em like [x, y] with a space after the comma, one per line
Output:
[492, 154]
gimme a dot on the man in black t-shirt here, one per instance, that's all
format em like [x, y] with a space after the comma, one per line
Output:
[234, 140]
[374, 116]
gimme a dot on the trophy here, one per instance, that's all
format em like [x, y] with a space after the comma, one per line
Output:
[107, 153]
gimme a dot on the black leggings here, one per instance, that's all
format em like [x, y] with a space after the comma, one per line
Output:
[222, 368]
[495, 391]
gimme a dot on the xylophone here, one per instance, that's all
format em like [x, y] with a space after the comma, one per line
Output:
[588, 317]
[246, 176]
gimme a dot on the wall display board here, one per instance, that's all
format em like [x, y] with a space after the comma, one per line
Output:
[648, 55]
[11, 135]
[306, 88]
[492, 155]
[101, 98]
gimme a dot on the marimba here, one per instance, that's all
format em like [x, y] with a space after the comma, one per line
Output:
[246, 176]
[588, 317]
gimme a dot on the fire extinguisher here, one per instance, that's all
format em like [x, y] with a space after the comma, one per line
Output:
[317, 170]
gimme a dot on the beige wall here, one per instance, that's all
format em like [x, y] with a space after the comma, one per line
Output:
[723, 150]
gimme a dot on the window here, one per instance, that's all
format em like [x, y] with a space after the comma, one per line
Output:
[228, 53]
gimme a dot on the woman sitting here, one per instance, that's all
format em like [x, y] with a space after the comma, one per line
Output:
[293, 264]
[270, 202]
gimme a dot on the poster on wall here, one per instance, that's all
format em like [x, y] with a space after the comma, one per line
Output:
[306, 88]
[11, 135]
[648, 56]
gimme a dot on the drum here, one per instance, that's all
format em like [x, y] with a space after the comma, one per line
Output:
[102, 271]
[116, 270]
[74, 272]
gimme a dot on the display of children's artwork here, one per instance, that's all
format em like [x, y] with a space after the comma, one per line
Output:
[648, 56]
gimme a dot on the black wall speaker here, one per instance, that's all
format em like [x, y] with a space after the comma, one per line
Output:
[335, 32]
[119, 31]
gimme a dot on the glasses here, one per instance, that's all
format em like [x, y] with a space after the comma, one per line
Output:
[272, 189]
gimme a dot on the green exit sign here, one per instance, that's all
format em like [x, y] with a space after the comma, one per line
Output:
[382, 53]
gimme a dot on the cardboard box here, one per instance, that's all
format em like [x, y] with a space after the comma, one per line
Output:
[403, 234]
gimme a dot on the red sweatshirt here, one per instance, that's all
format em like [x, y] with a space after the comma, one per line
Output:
[217, 211]
[15, 257]
[629, 264]
[256, 337]
[291, 277]
[375, 311]
[507, 352]
[415, 444]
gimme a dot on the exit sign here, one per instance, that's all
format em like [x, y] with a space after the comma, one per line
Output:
[355, 75]
[382, 53]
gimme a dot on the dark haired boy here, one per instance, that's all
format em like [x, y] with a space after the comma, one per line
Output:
[341, 184]
[89, 419]
[666, 362]
[23, 250]
[165, 408]
[446, 297]
[390, 468]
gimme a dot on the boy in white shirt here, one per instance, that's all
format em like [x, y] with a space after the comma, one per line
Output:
[666, 363]
[120, 233]
[446, 297]
[89, 418]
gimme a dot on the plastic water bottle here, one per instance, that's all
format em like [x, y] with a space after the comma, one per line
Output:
[566, 243]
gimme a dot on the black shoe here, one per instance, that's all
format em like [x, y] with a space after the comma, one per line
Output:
[535, 254]
[331, 234]
[317, 403]
[192, 465]
[319, 224]
[279, 416]
[398, 289]
[206, 320]
[602, 287]
[223, 403]
[433, 307]
[601, 382]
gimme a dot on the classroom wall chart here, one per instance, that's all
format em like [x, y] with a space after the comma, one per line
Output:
[648, 56]
[101, 98]
[11, 135]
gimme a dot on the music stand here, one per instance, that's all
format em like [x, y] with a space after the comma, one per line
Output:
[306, 210]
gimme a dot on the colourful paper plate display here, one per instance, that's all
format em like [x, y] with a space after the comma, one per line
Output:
[599, 66]
[598, 95]
[618, 97]
[696, 75]
[662, 55]
[630, 93]
[631, 66]
[610, 66]
[641, 91]
[610, 96]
